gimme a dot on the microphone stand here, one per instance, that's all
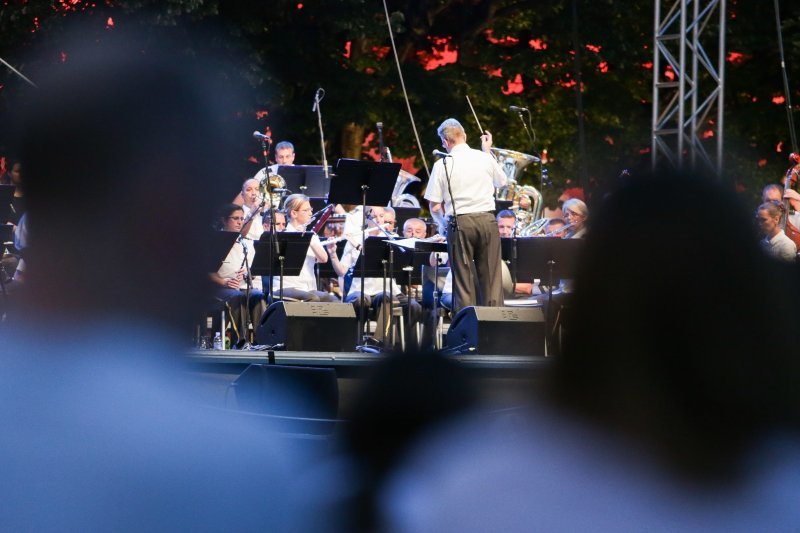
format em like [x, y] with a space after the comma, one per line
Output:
[514, 261]
[266, 144]
[246, 321]
[532, 138]
[362, 297]
[381, 148]
[436, 299]
[318, 109]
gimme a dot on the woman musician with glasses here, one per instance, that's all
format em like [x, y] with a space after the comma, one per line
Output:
[231, 280]
[575, 214]
[304, 286]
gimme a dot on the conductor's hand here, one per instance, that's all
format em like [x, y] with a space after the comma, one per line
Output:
[486, 141]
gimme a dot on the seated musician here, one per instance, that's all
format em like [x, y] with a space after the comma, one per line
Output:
[772, 192]
[506, 224]
[304, 286]
[390, 220]
[794, 203]
[284, 156]
[373, 287]
[506, 221]
[231, 280]
[254, 208]
[280, 221]
[415, 228]
[775, 242]
[575, 214]
[553, 228]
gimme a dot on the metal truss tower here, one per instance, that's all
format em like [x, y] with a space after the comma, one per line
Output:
[688, 87]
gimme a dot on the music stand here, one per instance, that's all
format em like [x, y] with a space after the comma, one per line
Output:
[7, 233]
[501, 205]
[404, 213]
[306, 179]
[318, 203]
[376, 261]
[366, 183]
[534, 255]
[292, 247]
[410, 261]
[6, 198]
[219, 246]
[544, 258]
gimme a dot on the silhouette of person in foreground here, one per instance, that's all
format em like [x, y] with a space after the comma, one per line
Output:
[120, 145]
[673, 406]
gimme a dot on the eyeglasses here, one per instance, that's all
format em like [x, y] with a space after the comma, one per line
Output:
[307, 210]
[236, 218]
[570, 213]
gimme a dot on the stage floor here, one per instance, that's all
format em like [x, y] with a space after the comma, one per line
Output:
[355, 359]
[502, 380]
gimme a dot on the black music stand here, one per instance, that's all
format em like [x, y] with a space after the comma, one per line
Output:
[219, 246]
[376, 261]
[366, 183]
[6, 198]
[318, 203]
[534, 255]
[292, 248]
[404, 213]
[426, 248]
[407, 267]
[543, 258]
[306, 179]
[7, 233]
[500, 205]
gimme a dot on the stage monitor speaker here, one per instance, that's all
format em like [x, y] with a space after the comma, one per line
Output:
[308, 327]
[498, 331]
[298, 393]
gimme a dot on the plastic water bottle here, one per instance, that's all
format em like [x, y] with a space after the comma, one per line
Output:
[217, 341]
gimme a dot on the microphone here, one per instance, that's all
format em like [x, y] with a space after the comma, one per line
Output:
[439, 153]
[316, 100]
[257, 135]
[517, 109]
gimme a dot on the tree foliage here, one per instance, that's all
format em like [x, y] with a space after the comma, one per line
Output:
[497, 52]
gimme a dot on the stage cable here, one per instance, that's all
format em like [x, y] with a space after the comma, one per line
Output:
[403, 86]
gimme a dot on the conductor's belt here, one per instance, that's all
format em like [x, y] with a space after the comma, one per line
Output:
[478, 214]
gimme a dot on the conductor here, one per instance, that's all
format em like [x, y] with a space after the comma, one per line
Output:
[461, 194]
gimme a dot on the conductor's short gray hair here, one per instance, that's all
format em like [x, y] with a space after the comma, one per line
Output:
[451, 130]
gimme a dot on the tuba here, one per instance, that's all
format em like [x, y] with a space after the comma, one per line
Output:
[268, 185]
[404, 179]
[526, 200]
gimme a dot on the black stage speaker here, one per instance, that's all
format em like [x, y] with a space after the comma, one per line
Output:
[295, 392]
[498, 331]
[308, 327]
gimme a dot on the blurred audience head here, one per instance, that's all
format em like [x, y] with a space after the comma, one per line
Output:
[680, 332]
[122, 145]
